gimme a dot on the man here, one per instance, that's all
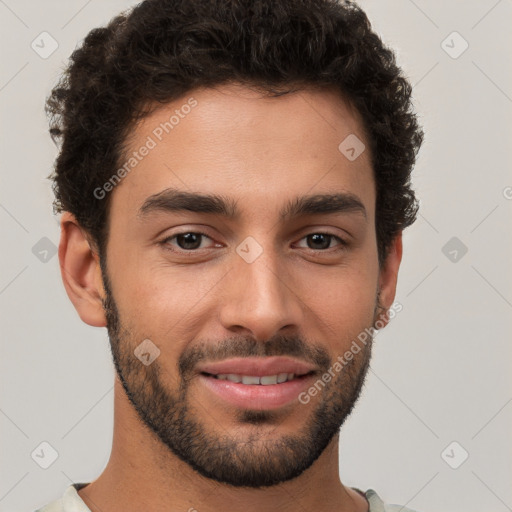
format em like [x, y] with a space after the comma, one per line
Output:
[234, 178]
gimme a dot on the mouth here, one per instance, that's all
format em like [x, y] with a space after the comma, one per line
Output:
[255, 380]
[264, 392]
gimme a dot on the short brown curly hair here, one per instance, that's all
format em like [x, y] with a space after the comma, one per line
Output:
[162, 49]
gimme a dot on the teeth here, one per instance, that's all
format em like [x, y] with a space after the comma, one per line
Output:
[265, 380]
[247, 379]
[268, 379]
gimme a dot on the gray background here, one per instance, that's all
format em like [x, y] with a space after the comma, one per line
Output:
[441, 369]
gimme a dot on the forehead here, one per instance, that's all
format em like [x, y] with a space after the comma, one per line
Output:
[259, 151]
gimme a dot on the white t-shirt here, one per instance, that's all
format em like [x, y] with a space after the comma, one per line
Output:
[71, 502]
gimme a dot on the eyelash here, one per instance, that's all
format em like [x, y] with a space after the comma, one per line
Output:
[165, 242]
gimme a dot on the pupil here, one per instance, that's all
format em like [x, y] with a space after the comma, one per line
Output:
[189, 238]
[317, 239]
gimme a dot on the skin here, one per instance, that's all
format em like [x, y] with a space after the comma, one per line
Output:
[259, 152]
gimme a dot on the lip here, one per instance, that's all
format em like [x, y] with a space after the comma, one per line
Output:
[257, 366]
[257, 396]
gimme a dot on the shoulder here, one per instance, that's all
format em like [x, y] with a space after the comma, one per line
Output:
[377, 505]
[70, 501]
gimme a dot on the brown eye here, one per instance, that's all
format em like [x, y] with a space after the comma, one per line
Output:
[186, 241]
[189, 241]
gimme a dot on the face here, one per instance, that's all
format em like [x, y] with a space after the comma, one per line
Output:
[277, 260]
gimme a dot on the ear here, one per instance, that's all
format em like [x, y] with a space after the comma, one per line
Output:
[388, 275]
[81, 272]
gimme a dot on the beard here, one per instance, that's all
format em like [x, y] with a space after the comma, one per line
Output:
[256, 460]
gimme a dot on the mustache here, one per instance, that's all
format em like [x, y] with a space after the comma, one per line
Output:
[240, 346]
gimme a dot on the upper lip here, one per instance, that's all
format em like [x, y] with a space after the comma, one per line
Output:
[257, 366]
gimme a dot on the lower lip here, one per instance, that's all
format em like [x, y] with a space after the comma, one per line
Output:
[257, 396]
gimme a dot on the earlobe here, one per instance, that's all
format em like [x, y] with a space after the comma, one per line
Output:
[388, 276]
[81, 272]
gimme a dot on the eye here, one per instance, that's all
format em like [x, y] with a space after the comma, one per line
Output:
[186, 241]
[192, 241]
[322, 241]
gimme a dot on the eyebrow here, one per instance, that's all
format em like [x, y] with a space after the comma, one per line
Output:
[174, 200]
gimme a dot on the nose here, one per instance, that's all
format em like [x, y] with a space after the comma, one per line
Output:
[260, 298]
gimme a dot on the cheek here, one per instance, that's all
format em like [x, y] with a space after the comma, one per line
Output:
[169, 302]
[343, 300]
[164, 301]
